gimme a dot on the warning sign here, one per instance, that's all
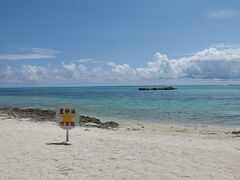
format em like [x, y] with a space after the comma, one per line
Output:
[67, 116]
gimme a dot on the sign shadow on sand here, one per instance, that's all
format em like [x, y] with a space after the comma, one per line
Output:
[61, 143]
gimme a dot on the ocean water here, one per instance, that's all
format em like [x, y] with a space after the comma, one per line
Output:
[197, 105]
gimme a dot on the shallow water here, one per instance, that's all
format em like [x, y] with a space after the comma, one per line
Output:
[201, 105]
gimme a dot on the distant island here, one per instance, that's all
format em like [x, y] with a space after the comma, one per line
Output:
[162, 88]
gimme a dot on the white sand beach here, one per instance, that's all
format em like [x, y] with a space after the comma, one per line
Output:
[33, 150]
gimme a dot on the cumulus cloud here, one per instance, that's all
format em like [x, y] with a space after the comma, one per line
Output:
[223, 14]
[70, 66]
[209, 63]
[30, 53]
[219, 61]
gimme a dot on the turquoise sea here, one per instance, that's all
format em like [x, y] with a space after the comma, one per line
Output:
[188, 105]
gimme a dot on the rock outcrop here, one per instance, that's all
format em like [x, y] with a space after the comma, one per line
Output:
[236, 132]
[162, 88]
[49, 115]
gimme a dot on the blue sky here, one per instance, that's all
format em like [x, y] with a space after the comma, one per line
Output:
[119, 42]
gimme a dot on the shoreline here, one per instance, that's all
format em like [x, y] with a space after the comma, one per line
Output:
[176, 129]
[86, 121]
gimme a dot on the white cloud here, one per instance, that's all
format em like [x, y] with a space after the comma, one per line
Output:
[93, 61]
[70, 66]
[24, 56]
[40, 50]
[225, 46]
[219, 61]
[223, 14]
[86, 60]
[30, 53]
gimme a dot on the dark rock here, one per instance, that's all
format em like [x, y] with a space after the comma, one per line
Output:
[34, 114]
[135, 129]
[87, 119]
[163, 88]
[212, 133]
[49, 115]
[111, 124]
[236, 132]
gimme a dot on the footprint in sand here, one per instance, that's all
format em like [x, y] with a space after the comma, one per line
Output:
[65, 170]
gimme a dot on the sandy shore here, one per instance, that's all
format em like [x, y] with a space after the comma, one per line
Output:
[33, 150]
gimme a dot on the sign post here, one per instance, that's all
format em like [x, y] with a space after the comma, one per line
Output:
[67, 136]
[67, 117]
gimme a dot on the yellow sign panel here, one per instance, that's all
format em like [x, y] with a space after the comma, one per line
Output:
[67, 116]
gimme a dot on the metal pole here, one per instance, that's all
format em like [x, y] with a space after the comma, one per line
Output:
[67, 136]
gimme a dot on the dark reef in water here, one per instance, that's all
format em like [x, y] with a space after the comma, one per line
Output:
[162, 88]
[236, 132]
[49, 115]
